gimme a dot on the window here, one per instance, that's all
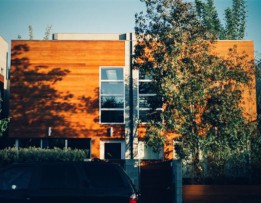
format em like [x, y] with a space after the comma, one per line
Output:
[146, 152]
[58, 176]
[112, 95]
[112, 149]
[103, 176]
[17, 178]
[149, 103]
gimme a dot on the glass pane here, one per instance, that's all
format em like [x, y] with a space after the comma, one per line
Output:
[58, 176]
[146, 115]
[143, 75]
[112, 88]
[16, 178]
[112, 73]
[112, 151]
[56, 143]
[150, 102]
[143, 116]
[79, 143]
[112, 116]
[146, 88]
[103, 176]
[111, 102]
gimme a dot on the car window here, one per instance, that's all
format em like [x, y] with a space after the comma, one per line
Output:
[16, 178]
[58, 176]
[103, 175]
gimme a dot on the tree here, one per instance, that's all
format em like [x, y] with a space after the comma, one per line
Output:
[201, 92]
[31, 35]
[235, 19]
[47, 32]
[3, 122]
[209, 17]
[256, 144]
[3, 126]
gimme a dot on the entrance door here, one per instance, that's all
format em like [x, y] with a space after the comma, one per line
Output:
[112, 151]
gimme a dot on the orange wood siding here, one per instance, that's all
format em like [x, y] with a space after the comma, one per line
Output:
[221, 48]
[1, 78]
[56, 84]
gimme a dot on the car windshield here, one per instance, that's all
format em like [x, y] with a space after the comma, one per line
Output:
[103, 175]
[58, 176]
[16, 178]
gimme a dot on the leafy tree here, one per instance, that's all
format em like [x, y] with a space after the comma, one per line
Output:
[200, 91]
[3, 122]
[208, 15]
[256, 144]
[3, 126]
[235, 19]
[47, 32]
[31, 36]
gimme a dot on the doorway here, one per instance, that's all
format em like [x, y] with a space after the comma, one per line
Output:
[112, 150]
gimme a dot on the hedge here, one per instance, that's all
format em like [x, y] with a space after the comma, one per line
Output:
[33, 154]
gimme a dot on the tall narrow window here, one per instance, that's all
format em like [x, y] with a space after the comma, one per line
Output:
[150, 105]
[111, 95]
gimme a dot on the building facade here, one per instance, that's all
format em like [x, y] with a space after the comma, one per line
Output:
[3, 76]
[81, 91]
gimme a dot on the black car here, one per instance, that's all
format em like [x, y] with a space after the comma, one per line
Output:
[66, 182]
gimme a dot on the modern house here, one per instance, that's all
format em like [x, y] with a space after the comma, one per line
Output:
[81, 91]
[3, 76]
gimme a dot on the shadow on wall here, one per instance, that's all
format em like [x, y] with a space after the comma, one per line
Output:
[35, 104]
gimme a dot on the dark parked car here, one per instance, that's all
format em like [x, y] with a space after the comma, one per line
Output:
[66, 182]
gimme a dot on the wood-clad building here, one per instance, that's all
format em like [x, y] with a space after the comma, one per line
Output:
[82, 91]
[55, 91]
[3, 77]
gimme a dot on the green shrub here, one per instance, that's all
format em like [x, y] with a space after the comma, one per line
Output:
[32, 154]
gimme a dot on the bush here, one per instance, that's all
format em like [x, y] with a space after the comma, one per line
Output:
[32, 154]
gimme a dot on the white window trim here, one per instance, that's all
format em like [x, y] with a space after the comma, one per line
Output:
[142, 148]
[102, 147]
[145, 95]
[123, 95]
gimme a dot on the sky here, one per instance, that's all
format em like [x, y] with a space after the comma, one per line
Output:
[95, 16]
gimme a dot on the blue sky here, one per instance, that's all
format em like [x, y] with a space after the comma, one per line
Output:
[94, 16]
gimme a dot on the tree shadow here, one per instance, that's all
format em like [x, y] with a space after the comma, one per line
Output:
[36, 105]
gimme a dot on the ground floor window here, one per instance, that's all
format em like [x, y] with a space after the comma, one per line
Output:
[146, 152]
[112, 149]
[51, 143]
[29, 142]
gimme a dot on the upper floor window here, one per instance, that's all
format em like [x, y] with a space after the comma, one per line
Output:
[112, 95]
[150, 105]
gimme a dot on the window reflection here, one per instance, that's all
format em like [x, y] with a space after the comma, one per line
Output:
[112, 74]
[146, 115]
[150, 102]
[112, 102]
[112, 88]
[143, 75]
[16, 178]
[146, 88]
[112, 95]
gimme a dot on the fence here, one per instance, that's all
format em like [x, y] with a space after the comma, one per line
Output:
[241, 184]
[156, 180]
